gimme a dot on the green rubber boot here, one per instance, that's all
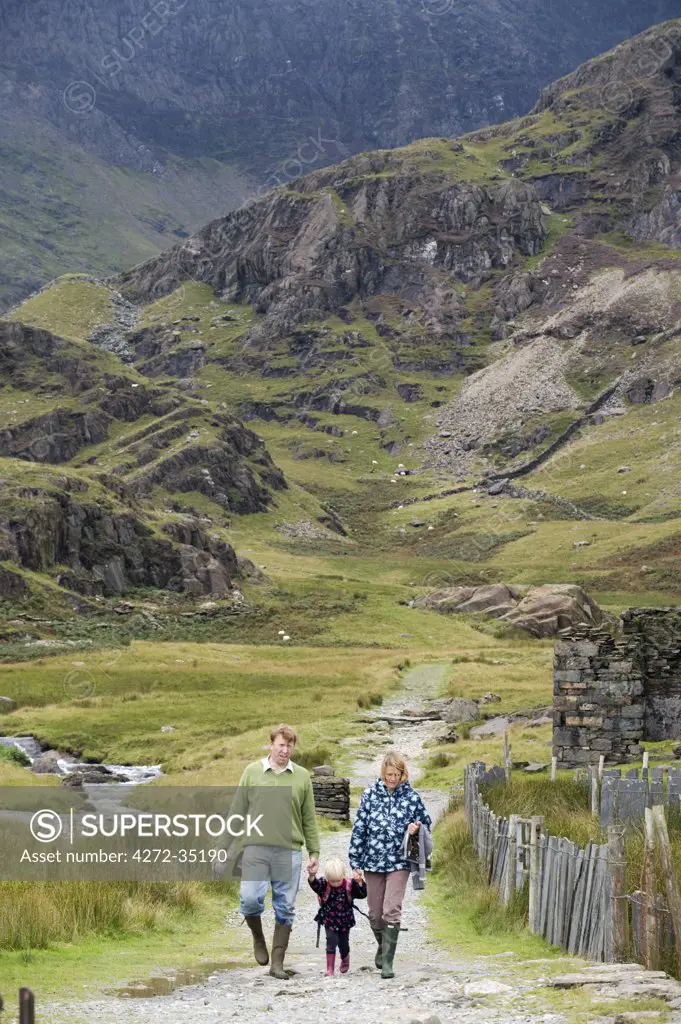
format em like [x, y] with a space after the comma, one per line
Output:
[282, 933]
[378, 935]
[390, 936]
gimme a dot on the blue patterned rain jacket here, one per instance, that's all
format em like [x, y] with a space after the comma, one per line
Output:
[378, 832]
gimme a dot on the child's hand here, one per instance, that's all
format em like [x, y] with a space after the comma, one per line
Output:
[357, 875]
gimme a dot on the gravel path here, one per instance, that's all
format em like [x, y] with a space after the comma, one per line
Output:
[432, 985]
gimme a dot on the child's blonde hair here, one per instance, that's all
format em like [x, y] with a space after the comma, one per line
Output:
[334, 869]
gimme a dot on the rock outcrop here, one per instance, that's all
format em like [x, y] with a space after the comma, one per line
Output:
[111, 551]
[541, 611]
[353, 233]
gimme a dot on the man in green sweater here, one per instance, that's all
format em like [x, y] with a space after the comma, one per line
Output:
[278, 865]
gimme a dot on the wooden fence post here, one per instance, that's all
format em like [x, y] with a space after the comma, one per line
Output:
[26, 1006]
[511, 859]
[649, 930]
[619, 912]
[595, 805]
[601, 765]
[536, 828]
[507, 757]
[554, 766]
[673, 897]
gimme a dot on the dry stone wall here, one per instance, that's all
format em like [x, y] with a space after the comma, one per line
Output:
[611, 692]
[657, 631]
[331, 793]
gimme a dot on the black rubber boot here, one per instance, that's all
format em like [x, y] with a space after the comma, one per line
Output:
[390, 936]
[254, 922]
[282, 933]
[378, 935]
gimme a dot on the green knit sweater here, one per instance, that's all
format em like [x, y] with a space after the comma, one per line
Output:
[303, 823]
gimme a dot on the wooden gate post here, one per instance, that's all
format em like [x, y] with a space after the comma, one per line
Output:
[536, 828]
[673, 897]
[26, 1006]
[619, 907]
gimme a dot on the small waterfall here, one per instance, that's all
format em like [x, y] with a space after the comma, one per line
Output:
[106, 797]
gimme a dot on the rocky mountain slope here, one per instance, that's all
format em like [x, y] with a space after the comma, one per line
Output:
[500, 312]
[90, 526]
[136, 123]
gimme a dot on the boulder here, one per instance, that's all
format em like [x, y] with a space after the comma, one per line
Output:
[497, 488]
[449, 735]
[73, 781]
[460, 710]
[422, 712]
[6, 705]
[545, 611]
[541, 611]
[542, 720]
[495, 599]
[495, 727]
[94, 773]
[47, 763]
[323, 770]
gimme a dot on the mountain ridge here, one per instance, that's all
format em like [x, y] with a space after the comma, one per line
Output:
[132, 101]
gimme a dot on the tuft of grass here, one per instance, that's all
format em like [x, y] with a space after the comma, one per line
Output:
[13, 755]
[462, 888]
[36, 915]
[369, 700]
[439, 760]
[565, 804]
[315, 756]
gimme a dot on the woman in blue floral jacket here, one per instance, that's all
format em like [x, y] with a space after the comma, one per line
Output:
[386, 811]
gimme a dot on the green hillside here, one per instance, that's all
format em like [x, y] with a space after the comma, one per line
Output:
[396, 334]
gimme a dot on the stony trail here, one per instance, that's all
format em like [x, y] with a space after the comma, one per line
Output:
[431, 984]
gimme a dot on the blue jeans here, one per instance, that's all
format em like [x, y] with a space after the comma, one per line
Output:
[263, 866]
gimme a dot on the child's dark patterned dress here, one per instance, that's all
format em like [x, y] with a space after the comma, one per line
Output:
[336, 912]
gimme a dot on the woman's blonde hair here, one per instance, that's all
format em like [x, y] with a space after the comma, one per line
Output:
[394, 760]
[334, 869]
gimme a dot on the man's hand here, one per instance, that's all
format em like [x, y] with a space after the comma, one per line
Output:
[357, 875]
[414, 827]
[313, 866]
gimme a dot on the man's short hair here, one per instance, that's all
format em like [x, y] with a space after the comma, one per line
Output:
[287, 731]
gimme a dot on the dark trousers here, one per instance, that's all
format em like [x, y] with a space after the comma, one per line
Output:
[340, 939]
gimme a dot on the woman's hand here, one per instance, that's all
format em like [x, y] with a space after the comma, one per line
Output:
[357, 875]
[413, 827]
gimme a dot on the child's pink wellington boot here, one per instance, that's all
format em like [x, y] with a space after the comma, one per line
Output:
[345, 964]
[330, 964]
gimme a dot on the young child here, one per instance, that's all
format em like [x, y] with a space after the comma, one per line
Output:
[335, 893]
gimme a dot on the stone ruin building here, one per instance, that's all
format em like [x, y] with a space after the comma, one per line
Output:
[613, 689]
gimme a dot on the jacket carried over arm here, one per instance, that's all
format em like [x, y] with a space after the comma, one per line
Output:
[417, 851]
[378, 833]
